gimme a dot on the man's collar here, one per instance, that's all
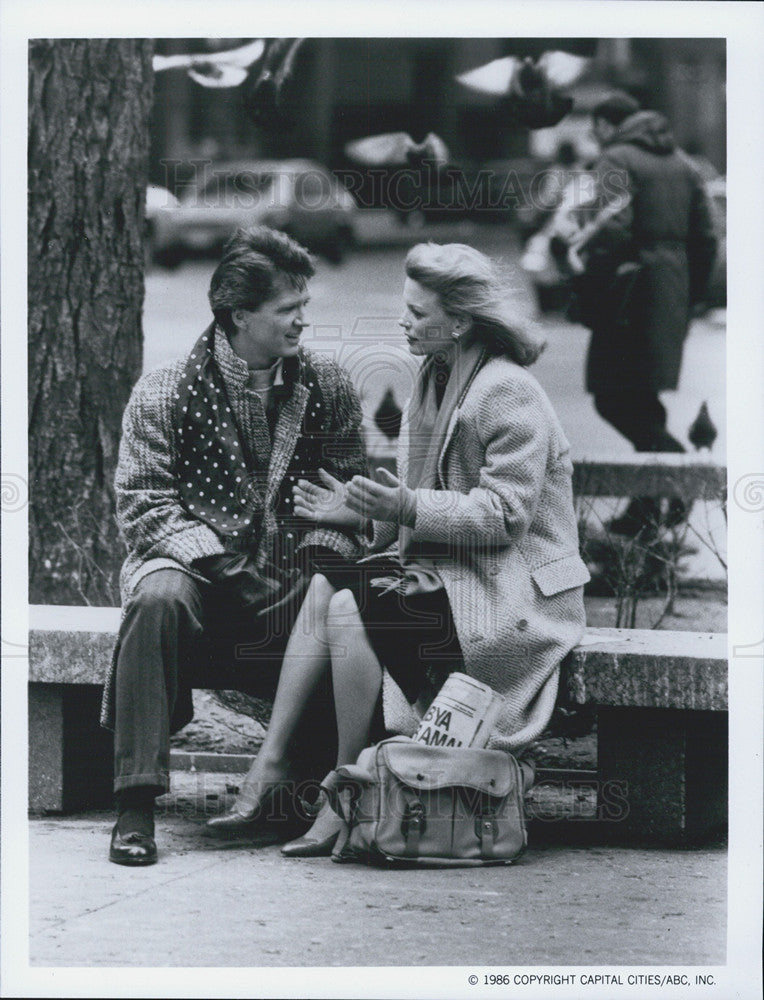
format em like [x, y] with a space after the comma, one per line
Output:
[234, 369]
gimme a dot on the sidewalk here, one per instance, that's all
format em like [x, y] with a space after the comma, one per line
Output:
[213, 904]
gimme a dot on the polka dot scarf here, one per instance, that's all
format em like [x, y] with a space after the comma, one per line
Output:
[220, 481]
[215, 466]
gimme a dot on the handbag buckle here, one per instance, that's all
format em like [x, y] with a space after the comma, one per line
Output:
[486, 830]
[414, 822]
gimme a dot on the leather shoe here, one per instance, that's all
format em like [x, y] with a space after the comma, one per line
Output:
[235, 822]
[306, 847]
[311, 847]
[133, 848]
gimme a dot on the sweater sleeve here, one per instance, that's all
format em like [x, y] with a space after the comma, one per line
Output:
[344, 450]
[514, 430]
[153, 521]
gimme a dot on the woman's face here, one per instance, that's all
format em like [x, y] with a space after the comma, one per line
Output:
[427, 327]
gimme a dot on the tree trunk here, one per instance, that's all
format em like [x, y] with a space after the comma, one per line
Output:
[89, 105]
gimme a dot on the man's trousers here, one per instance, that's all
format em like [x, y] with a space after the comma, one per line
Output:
[178, 633]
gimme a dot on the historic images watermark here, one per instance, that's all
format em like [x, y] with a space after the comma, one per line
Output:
[427, 187]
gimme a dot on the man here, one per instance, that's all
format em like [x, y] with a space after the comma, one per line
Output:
[648, 261]
[211, 448]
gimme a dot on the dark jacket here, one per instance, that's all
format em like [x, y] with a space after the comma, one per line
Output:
[639, 315]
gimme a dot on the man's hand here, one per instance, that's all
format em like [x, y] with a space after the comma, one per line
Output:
[295, 592]
[235, 573]
[325, 504]
[388, 500]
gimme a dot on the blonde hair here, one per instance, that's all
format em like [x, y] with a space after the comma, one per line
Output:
[469, 283]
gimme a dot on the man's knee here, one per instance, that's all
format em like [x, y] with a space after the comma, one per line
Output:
[166, 594]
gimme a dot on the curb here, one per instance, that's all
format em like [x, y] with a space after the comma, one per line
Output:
[217, 763]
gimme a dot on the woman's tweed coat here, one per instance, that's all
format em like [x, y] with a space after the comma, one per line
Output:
[515, 579]
[159, 531]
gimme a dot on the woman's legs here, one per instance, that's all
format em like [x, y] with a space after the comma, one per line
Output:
[356, 676]
[305, 660]
[357, 679]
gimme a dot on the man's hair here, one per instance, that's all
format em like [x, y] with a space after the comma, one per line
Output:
[616, 108]
[253, 258]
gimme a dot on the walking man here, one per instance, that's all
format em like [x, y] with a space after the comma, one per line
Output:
[212, 446]
[646, 265]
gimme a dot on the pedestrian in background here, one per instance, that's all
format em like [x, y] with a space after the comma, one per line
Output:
[646, 265]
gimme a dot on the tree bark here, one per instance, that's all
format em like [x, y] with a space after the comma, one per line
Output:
[89, 105]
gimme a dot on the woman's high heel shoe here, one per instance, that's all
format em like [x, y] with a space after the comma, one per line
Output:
[319, 841]
[245, 815]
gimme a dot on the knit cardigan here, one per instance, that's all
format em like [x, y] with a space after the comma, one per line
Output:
[513, 573]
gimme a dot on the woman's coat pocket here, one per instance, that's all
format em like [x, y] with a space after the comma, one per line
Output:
[560, 574]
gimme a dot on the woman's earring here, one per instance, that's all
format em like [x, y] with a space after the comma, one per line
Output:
[460, 327]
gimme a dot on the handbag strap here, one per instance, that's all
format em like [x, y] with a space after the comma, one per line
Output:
[342, 788]
[485, 828]
[331, 787]
[413, 823]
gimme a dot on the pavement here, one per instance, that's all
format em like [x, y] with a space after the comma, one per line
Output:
[211, 903]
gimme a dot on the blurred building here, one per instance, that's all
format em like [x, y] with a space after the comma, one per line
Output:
[685, 78]
[345, 88]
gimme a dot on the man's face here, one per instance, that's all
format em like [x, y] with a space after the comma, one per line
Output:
[273, 330]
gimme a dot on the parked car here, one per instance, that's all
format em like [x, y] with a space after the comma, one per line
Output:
[299, 197]
[158, 199]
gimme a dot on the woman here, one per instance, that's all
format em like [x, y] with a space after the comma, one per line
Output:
[475, 562]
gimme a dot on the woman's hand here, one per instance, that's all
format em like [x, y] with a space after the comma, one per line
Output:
[387, 501]
[325, 505]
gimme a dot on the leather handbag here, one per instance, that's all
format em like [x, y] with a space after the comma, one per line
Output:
[407, 804]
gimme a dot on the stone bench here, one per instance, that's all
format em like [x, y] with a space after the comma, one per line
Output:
[647, 474]
[650, 474]
[661, 700]
[662, 729]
